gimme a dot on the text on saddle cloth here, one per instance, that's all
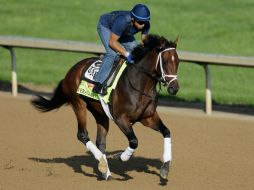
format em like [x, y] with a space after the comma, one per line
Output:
[92, 71]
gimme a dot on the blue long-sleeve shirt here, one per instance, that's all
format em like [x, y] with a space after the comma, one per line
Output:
[119, 22]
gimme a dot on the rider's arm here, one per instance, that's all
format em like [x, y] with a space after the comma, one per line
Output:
[115, 45]
[143, 37]
[145, 32]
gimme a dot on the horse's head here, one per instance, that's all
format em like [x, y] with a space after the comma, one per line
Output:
[160, 56]
[167, 64]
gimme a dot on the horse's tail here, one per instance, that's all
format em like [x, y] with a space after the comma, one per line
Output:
[45, 105]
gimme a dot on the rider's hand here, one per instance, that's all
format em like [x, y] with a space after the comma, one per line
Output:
[129, 58]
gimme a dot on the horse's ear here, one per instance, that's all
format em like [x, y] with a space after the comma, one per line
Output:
[176, 40]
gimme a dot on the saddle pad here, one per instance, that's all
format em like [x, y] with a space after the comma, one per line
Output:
[86, 86]
[92, 71]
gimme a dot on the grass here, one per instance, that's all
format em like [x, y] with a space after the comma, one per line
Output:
[218, 26]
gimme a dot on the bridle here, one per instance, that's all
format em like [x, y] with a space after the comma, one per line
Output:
[163, 74]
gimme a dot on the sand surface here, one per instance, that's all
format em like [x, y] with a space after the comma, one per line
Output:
[40, 151]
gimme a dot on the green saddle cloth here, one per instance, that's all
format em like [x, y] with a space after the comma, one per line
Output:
[85, 87]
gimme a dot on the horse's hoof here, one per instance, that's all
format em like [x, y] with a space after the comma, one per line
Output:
[164, 174]
[106, 176]
[109, 178]
[164, 170]
[103, 166]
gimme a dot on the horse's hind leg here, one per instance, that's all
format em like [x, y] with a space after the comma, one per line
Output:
[102, 122]
[79, 108]
[155, 123]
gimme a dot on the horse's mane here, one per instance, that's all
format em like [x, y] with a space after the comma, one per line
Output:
[152, 41]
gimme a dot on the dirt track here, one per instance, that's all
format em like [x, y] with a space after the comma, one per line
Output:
[40, 151]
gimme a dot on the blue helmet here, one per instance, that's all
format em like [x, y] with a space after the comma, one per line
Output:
[140, 12]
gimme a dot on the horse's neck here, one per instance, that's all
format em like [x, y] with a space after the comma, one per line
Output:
[148, 64]
[140, 75]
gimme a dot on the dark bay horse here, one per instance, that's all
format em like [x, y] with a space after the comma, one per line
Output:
[133, 100]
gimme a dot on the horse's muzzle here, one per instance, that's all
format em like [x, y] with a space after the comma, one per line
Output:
[173, 88]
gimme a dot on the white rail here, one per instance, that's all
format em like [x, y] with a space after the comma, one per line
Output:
[11, 42]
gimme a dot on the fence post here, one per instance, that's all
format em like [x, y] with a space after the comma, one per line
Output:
[208, 90]
[13, 71]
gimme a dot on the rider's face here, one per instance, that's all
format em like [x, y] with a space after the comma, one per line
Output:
[139, 24]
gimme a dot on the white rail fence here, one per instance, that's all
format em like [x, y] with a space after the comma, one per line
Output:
[12, 42]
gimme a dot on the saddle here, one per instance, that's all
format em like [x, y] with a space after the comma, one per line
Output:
[87, 82]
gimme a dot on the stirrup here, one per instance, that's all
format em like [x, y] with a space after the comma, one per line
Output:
[100, 89]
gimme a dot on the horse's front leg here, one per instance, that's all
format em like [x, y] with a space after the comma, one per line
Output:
[155, 123]
[126, 128]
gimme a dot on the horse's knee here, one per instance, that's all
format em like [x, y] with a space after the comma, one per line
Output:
[133, 143]
[83, 137]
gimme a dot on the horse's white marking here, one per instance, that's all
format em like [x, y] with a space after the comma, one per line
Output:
[167, 155]
[95, 151]
[173, 58]
[98, 155]
[108, 173]
[125, 156]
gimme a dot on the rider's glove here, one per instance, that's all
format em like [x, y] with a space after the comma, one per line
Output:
[129, 58]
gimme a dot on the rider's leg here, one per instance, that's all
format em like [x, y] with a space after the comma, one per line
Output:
[108, 59]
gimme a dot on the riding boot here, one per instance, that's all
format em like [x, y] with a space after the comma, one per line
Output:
[100, 89]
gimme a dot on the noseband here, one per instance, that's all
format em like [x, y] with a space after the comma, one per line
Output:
[163, 75]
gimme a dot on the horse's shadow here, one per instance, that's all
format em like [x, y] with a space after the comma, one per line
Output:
[117, 167]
